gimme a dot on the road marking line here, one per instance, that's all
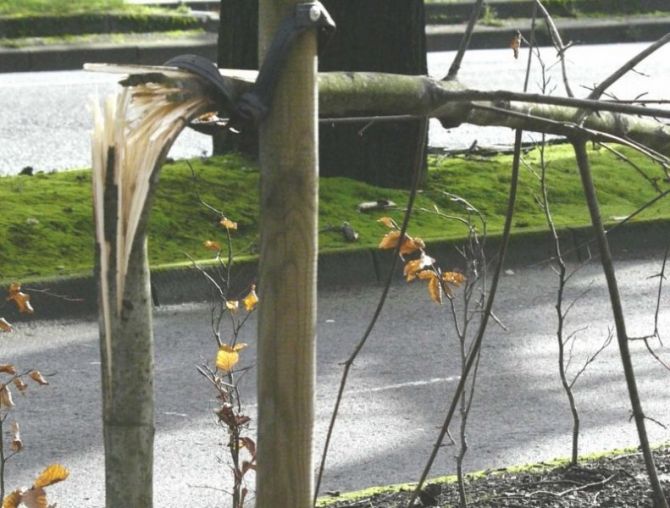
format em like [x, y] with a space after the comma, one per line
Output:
[408, 384]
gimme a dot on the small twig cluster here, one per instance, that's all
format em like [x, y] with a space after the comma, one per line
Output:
[225, 377]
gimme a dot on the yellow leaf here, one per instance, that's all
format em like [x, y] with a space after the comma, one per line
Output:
[388, 222]
[212, 245]
[5, 326]
[8, 368]
[228, 356]
[434, 289]
[251, 299]
[52, 474]
[12, 500]
[228, 224]
[37, 376]
[232, 305]
[17, 444]
[390, 240]
[6, 399]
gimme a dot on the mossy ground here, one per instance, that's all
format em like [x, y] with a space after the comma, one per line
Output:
[611, 478]
[46, 221]
[61, 7]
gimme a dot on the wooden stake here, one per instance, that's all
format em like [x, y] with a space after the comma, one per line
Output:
[287, 309]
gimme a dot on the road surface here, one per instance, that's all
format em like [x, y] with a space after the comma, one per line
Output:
[46, 119]
[397, 394]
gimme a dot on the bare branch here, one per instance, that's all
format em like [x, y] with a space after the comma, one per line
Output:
[465, 40]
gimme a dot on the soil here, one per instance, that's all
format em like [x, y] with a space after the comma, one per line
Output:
[615, 481]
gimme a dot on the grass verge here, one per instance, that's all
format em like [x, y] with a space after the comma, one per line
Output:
[62, 7]
[106, 38]
[46, 221]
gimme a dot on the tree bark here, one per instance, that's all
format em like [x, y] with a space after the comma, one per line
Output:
[237, 49]
[378, 36]
[287, 273]
[127, 157]
[371, 94]
[619, 321]
[126, 349]
[372, 35]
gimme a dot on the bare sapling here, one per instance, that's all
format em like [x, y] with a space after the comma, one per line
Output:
[465, 314]
[225, 376]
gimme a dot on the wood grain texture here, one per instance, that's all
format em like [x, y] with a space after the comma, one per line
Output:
[287, 309]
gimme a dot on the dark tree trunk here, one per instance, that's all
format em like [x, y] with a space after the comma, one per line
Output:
[382, 36]
[372, 35]
[237, 49]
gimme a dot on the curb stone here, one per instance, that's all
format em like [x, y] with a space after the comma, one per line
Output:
[439, 38]
[346, 269]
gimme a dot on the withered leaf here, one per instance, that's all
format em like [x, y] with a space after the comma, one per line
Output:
[8, 368]
[247, 465]
[228, 224]
[390, 240]
[5, 326]
[20, 384]
[35, 498]
[232, 305]
[37, 376]
[435, 289]
[21, 299]
[12, 500]
[6, 399]
[453, 278]
[17, 444]
[416, 265]
[410, 245]
[249, 444]
[388, 222]
[211, 245]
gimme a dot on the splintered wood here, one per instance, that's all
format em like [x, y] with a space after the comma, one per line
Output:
[133, 132]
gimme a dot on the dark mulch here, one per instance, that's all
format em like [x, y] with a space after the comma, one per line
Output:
[613, 481]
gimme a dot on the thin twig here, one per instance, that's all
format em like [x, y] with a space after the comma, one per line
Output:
[418, 163]
[619, 319]
[564, 493]
[465, 41]
[477, 343]
[558, 44]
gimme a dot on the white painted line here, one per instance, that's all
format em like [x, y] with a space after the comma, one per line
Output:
[409, 384]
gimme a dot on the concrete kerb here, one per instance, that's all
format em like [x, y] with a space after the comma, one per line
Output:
[439, 38]
[75, 297]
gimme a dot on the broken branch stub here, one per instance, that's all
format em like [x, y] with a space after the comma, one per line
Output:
[132, 134]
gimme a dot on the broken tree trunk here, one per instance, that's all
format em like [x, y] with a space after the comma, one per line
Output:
[344, 96]
[130, 141]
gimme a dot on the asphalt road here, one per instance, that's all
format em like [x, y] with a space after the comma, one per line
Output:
[46, 119]
[396, 397]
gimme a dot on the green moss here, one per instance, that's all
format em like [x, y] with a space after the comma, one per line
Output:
[60, 7]
[116, 38]
[49, 229]
[537, 467]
